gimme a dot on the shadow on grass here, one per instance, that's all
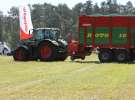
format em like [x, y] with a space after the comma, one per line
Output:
[87, 62]
[98, 62]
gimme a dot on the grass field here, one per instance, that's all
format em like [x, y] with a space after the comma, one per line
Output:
[80, 80]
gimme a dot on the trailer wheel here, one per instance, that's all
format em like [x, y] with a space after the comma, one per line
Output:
[105, 56]
[131, 56]
[20, 54]
[46, 52]
[122, 56]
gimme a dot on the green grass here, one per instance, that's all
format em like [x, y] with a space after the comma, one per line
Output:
[80, 80]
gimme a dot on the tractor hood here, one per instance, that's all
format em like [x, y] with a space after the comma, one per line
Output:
[62, 43]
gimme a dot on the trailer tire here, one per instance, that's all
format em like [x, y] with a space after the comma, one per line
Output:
[105, 55]
[47, 51]
[122, 56]
[131, 56]
[20, 54]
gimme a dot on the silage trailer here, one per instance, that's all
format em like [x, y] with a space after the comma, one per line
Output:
[112, 36]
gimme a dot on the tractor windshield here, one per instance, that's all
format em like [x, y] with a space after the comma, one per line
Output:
[41, 34]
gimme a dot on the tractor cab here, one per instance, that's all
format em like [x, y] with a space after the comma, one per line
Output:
[45, 33]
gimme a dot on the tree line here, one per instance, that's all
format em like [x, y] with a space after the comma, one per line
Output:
[61, 16]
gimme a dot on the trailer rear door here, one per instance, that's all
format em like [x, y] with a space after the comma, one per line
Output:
[132, 31]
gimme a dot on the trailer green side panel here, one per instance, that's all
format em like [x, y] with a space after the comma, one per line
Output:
[81, 35]
[132, 32]
[89, 35]
[119, 36]
[102, 36]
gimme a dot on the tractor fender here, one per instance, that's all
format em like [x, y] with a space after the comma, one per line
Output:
[55, 43]
[23, 47]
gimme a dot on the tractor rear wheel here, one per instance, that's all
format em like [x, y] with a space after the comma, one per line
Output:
[20, 54]
[62, 57]
[46, 52]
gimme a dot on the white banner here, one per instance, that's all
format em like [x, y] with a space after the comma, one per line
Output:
[25, 22]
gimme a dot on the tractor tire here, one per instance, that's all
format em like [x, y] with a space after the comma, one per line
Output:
[47, 52]
[122, 56]
[20, 54]
[105, 55]
[62, 57]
